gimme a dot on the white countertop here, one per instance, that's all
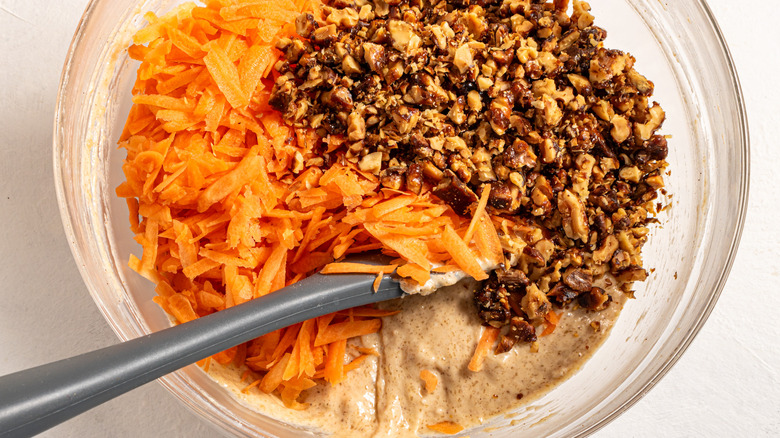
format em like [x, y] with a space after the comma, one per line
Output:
[726, 385]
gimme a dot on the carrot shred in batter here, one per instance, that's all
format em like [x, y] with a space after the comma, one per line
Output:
[551, 319]
[430, 380]
[486, 341]
[229, 203]
[446, 427]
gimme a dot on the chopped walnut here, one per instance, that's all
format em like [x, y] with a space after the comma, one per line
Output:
[403, 36]
[535, 303]
[343, 18]
[350, 65]
[607, 64]
[452, 96]
[594, 299]
[356, 129]
[325, 34]
[375, 56]
[575, 223]
[393, 178]
[578, 279]
[621, 128]
[605, 251]
[463, 59]
[305, 25]
[371, 163]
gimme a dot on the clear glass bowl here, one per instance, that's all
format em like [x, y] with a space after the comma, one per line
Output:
[677, 45]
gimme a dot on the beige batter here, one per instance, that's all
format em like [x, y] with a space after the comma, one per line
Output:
[385, 397]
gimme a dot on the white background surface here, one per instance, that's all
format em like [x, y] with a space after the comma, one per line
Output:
[726, 385]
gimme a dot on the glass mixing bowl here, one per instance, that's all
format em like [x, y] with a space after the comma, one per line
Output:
[677, 45]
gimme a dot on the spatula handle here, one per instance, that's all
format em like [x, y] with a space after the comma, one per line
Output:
[37, 399]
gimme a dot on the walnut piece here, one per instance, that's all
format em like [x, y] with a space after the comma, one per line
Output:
[521, 96]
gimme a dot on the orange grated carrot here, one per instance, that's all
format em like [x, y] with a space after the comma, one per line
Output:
[263, 285]
[273, 378]
[150, 245]
[446, 427]
[486, 341]
[286, 342]
[334, 365]
[368, 351]
[415, 272]
[181, 308]
[462, 254]
[226, 357]
[205, 364]
[252, 68]
[356, 362]
[551, 318]
[430, 380]
[383, 208]
[251, 385]
[225, 75]
[488, 242]
[478, 213]
[248, 169]
[357, 268]
[345, 330]
[412, 250]
[199, 268]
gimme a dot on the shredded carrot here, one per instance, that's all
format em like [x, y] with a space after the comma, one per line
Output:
[478, 213]
[356, 362]
[181, 308]
[357, 268]
[220, 214]
[393, 204]
[271, 268]
[488, 242]
[551, 318]
[462, 254]
[251, 385]
[415, 272]
[485, 344]
[132, 207]
[226, 357]
[205, 364]
[274, 376]
[446, 427]
[334, 365]
[377, 282]
[368, 351]
[346, 330]
[430, 380]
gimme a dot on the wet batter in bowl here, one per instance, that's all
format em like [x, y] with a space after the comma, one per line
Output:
[385, 397]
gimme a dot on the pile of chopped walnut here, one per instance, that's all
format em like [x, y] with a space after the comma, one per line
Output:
[453, 95]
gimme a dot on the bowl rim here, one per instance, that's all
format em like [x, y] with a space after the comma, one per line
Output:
[743, 197]
[679, 350]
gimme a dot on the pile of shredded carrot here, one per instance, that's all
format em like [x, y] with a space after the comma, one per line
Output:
[228, 206]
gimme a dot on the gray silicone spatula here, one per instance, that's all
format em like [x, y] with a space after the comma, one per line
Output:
[34, 400]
